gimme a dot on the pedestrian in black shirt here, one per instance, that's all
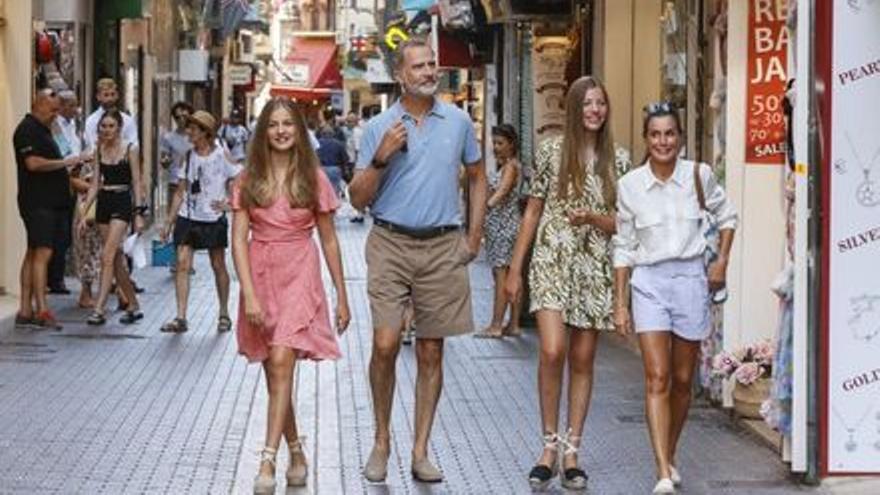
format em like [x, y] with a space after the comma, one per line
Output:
[43, 196]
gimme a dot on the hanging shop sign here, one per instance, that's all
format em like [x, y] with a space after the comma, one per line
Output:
[549, 58]
[849, 61]
[337, 100]
[377, 72]
[240, 74]
[394, 36]
[193, 65]
[768, 47]
[299, 74]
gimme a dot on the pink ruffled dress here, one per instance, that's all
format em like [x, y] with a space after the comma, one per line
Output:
[286, 273]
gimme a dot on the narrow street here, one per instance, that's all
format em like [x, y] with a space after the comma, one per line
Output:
[131, 410]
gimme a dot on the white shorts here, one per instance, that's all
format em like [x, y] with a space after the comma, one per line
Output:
[671, 296]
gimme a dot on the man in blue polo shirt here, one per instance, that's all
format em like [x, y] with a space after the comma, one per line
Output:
[407, 173]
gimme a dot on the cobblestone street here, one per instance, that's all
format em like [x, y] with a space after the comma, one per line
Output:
[131, 410]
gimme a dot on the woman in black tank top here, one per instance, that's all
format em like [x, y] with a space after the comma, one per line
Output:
[117, 174]
[114, 187]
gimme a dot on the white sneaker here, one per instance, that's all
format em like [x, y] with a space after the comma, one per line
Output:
[665, 485]
[675, 476]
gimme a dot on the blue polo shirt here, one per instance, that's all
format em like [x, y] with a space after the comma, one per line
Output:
[419, 188]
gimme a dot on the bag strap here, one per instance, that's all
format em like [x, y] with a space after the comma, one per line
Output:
[185, 180]
[698, 184]
[186, 159]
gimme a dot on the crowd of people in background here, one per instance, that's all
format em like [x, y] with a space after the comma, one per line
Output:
[83, 227]
[606, 245]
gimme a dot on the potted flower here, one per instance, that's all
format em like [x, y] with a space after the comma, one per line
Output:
[751, 367]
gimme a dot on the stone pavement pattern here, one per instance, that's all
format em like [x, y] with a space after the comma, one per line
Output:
[130, 410]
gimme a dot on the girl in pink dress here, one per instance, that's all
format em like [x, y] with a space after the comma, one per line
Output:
[283, 313]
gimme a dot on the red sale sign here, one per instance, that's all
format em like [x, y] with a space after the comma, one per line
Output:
[768, 46]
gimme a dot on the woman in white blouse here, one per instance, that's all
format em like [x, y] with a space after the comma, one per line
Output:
[659, 270]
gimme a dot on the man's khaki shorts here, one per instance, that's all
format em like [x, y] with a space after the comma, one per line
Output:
[431, 272]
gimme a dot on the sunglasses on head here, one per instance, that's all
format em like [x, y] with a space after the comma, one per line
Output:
[659, 108]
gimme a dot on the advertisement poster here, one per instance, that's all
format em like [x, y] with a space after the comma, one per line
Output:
[768, 48]
[853, 234]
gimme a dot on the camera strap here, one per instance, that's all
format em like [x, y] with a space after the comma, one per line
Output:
[189, 198]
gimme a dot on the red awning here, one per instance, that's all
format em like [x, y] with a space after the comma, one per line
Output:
[317, 56]
[299, 93]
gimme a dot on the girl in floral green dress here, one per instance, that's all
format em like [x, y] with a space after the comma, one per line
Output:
[570, 217]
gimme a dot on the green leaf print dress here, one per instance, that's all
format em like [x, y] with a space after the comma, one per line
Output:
[571, 269]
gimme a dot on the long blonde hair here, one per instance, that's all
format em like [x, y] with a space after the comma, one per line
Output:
[572, 170]
[301, 183]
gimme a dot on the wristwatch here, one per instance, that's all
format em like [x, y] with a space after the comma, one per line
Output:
[378, 164]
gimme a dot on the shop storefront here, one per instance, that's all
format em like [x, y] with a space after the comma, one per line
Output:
[745, 75]
[541, 47]
[203, 52]
[16, 71]
[725, 66]
[44, 44]
[847, 68]
[310, 72]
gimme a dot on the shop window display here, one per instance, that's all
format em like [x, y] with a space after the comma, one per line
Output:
[693, 79]
[674, 30]
[56, 56]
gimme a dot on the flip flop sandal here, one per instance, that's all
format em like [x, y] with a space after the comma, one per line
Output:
[177, 325]
[224, 324]
[131, 317]
[96, 319]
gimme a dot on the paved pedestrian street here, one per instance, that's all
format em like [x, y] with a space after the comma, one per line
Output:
[131, 410]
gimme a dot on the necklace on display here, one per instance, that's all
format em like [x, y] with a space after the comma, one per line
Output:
[863, 321]
[868, 192]
[877, 443]
[856, 5]
[851, 445]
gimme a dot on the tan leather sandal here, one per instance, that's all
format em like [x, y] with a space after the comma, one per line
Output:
[297, 474]
[263, 484]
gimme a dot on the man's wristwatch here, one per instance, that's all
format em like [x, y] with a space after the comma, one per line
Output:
[378, 164]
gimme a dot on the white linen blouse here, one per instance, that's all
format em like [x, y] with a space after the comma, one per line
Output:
[660, 221]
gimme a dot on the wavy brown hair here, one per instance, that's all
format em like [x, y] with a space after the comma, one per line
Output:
[572, 169]
[301, 183]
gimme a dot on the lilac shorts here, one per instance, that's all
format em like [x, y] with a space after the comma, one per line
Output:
[671, 296]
